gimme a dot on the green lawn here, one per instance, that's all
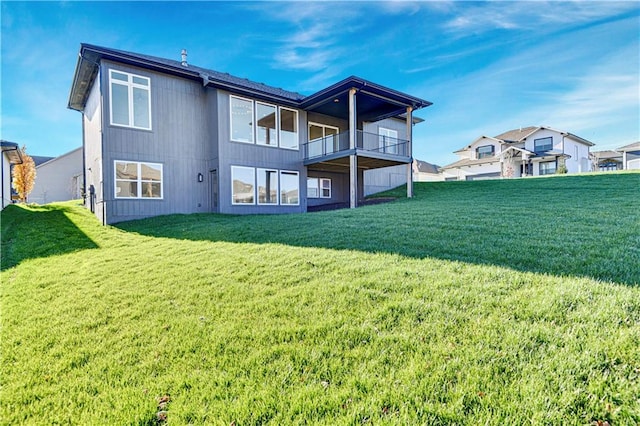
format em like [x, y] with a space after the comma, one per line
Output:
[498, 302]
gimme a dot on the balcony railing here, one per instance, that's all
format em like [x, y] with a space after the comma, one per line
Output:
[365, 141]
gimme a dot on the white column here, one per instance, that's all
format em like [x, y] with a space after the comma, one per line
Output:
[410, 151]
[353, 161]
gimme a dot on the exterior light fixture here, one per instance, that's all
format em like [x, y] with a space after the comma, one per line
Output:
[200, 177]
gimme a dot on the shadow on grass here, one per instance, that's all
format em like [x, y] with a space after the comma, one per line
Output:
[49, 232]
[584, 226]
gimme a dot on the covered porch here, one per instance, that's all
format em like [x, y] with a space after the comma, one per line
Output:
[354, 146]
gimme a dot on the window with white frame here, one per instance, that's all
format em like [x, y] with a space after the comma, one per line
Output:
[243, 182]
[266, 133]
[543, 144]
[241, 119]
[318, 187]
[288, 128]
[138, 180]
[388, 140]
[325, 188]
[323, 139]
[547, 168]
[276, 126]
[267, 186]
[289, 188]
[313, 187]
[484, 151]
[130, 100]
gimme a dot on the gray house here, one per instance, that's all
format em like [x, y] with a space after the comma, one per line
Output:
[163, 136]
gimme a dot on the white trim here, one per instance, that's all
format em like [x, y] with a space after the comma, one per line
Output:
[387, 133]
[277, 123]
[138, 180]
[257, 189]
[297, 124]
[253, 170]
[130, 85]
[289, 172]
[321, 180]
[253, 128]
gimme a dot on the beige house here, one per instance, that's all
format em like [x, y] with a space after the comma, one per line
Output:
[528, 151]
[59, 179]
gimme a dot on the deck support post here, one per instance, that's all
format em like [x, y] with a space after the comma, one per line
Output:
[409, 151]
[353, 161]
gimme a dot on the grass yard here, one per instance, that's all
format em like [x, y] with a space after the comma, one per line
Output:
[511, 302]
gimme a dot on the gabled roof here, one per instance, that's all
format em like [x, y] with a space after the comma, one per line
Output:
[425, 167]
[40, 159]
[517, 135]
[382, 101]
[53, 159]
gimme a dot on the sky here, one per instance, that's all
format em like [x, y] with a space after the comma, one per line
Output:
[488, 67]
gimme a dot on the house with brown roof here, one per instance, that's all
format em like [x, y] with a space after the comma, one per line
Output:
[528, 151]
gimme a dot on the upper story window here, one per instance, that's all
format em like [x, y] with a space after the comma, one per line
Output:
[275, 126]
[543, 144]
[241, 120]
[485, 151]
[130, 100]
[138, 180]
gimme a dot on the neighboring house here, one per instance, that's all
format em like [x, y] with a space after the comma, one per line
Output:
[604, 161]
[529, 151]
[426, 172]
[11, 154]
[378, 180]
[163, 136]
[59, 179]
[630, 156]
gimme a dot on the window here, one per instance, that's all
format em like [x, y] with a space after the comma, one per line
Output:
[313, 190]
[267, 186]
[543, 145]
[388, 141]
[289, 188]
[243, 185]
[318, 187]
[325, 186]
[484, 151]
[548, 168]
[241, 120]
[138, 180]
[276, 126]
[288, 128]
[323, 139]
[266, 130]
[273, 186]
[130, 100]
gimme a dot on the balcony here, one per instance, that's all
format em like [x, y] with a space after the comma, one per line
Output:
[373, 150]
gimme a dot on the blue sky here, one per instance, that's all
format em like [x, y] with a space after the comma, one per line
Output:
[488, 67]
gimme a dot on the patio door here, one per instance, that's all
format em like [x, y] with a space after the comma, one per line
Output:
[323, 139]
[388, 140]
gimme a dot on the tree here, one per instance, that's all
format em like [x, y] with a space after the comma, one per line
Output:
[24, 175]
